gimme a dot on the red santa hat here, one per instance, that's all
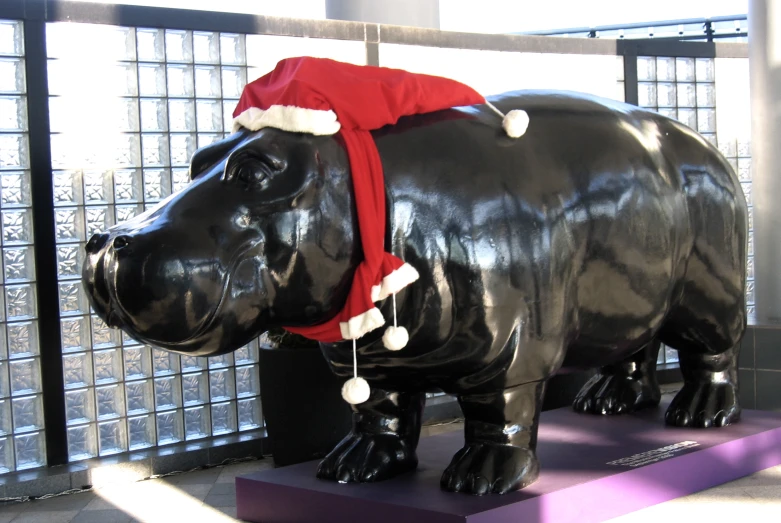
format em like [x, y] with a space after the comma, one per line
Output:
[325, 97]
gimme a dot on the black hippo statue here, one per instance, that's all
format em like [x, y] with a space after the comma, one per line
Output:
[603, 232]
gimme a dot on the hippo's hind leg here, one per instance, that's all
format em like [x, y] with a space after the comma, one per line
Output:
[382, 442]
[709, 318]
[709, 397]
[623, 387]
[500, 440]
[708, 343]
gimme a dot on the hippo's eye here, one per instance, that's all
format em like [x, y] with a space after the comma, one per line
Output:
[253, 174]
[251, 169]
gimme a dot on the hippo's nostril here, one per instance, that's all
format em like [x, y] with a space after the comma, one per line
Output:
[120, 242]
[96, 243]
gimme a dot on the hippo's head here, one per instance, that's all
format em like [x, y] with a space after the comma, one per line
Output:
[264, 236]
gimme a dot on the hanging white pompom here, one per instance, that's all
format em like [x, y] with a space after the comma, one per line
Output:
[395, 338]
[355, 391]
[515, 123]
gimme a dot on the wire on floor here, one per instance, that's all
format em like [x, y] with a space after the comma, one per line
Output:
[88, 488]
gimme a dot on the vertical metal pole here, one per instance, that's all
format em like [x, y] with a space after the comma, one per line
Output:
[764, 17]
[629, 51]
[372, 42]
[709, 30]
[45, 246]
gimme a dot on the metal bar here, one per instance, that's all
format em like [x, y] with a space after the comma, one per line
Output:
[495, 42]
[194, 20]
[637, 25]
[45, 245]
[676, 48]
[12, 10]
[701, 38]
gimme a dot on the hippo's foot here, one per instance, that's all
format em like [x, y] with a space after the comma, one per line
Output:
[616, 394]
[709, 397]
[500, 431]
[704, 405]
[484, 468]
[361, 458]
[626, 386]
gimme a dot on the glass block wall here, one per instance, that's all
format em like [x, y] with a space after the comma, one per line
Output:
[686, 89]
[681, 88]
[22, 442]
[128, 108]
[126, 116]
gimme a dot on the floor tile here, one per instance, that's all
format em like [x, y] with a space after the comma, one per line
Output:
[99, 504]
[208, 476]
[13, 508]
[101, 516]
[198, 490]
[223, 488]
[221, 500]
[61, 516]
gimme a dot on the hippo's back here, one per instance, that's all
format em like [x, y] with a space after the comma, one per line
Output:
[605, 200]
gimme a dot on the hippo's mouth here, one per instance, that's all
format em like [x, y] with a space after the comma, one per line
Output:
[116, 316]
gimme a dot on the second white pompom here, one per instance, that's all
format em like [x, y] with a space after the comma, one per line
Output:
[355, 391]
[395, 338]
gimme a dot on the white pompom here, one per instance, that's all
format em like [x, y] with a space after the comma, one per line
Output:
[355, 391]
[515, 123]
[395, 338]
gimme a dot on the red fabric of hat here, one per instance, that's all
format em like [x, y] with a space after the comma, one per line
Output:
[322, 96]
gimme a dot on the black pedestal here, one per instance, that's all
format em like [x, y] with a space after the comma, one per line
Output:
[302, 404]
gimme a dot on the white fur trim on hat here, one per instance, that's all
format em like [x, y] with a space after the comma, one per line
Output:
[288, 118]
[395, 281]
[359, 325]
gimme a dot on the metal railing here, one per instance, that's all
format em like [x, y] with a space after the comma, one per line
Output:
[718, 28]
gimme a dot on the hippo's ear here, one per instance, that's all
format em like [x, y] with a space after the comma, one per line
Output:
[208, 156]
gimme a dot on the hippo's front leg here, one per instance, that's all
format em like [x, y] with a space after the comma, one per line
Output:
[501, 437]
[382, 443]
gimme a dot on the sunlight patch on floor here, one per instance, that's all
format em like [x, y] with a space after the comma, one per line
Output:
[154, 500]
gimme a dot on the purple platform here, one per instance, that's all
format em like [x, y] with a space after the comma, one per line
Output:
[578, 483]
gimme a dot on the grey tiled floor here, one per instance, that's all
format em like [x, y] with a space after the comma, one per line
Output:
[205, 495]
[210, 496]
